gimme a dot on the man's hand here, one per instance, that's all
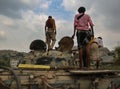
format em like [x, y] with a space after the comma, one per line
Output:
[55, 32]
[92, 35]
[73, 36]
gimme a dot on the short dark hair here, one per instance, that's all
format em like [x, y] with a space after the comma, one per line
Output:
[81, 9]
[49, 16]
[100, 37]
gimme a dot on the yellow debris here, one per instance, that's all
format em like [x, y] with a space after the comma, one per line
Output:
[31, 66]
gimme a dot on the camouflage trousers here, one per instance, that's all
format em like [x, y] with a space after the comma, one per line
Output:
[50, 38]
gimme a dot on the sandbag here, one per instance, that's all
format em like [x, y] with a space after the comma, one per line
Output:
[38, 45]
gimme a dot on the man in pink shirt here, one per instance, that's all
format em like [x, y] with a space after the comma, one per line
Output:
[82, 24]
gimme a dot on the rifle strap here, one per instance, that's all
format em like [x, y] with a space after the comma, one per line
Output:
[80, 16]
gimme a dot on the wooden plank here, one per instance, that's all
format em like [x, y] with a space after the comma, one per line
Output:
[94, 71]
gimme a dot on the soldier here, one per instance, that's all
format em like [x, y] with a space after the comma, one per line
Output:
[50, 32]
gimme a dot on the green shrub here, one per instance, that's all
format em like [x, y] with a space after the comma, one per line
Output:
[117, 55]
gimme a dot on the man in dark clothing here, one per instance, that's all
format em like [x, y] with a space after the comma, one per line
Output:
[50, 32]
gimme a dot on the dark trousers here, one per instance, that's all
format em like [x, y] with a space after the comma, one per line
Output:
[81, 35]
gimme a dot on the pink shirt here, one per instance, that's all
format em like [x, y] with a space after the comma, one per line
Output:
[83, 23]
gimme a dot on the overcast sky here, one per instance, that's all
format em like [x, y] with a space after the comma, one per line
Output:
[22, 21]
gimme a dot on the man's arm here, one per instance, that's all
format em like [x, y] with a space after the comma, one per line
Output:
[45, 28]
[91, 26]
[92, 30]
[54, 26]
[74, 32]
[75, 24]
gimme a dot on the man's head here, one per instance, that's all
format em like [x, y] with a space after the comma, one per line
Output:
[49, 16]
[81, 10]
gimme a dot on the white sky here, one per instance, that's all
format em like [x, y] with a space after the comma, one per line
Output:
[22, 21]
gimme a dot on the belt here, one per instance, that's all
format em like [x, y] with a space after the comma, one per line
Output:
[95, 42]
[82, 30]
[50, 28]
